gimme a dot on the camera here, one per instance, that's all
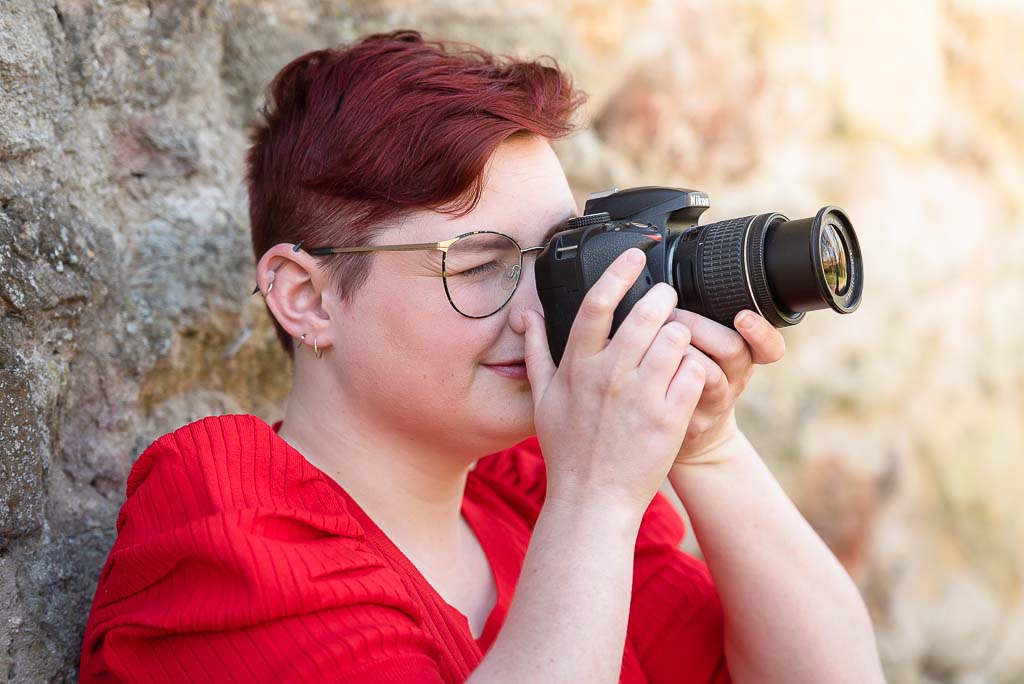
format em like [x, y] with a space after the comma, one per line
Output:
[765, 262]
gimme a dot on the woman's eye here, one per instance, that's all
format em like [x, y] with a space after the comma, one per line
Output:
[489, 267]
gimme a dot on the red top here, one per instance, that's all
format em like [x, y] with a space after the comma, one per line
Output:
[237, 559]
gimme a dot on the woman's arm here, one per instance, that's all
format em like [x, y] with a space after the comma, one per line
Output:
[792, 613]
[568, 620]
[604, 461]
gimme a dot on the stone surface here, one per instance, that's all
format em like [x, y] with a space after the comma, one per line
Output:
[125, 266]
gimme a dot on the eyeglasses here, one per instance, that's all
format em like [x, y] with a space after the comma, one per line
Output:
[480, 269]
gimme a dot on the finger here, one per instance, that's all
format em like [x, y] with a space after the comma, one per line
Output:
[641, 326]
[767, 345]
[540, 367]
[662, 360]
[593, 323]
[686, 387]
[716, 383]
[724, 345]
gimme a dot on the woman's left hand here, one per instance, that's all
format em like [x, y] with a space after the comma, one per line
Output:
[728, 358]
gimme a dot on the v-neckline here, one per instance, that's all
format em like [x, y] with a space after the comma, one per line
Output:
[474, 516]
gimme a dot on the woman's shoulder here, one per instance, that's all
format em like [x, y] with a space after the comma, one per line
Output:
[222, 464]
[224, 498]
[228, 535]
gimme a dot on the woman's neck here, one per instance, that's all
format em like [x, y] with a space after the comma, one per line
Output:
[411, 489]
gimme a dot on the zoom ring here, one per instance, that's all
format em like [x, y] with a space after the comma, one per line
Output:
[725, 285]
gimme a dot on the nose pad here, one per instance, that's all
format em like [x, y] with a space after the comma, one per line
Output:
[525, 296]
[510, 281]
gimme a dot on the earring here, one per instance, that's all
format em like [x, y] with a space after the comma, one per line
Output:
[316, 350]
[257, 289]
[302, 338]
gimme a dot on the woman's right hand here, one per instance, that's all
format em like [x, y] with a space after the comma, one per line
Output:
[611, 417]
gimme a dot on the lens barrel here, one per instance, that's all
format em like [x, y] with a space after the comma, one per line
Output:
[767, 263]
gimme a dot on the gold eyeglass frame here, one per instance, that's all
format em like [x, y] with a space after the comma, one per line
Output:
[442, 246]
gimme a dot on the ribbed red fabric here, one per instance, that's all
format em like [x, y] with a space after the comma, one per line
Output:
[238, 560]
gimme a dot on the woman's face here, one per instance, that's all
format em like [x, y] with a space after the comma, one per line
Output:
[407, 361]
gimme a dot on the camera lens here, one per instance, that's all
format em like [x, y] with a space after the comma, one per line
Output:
[833, 259]
[770, 264]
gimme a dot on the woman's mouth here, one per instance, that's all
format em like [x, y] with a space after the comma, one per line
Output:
[515, 370]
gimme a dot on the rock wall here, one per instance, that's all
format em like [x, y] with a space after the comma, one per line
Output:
[125, 266]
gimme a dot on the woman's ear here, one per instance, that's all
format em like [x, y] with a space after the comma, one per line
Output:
[296, 298]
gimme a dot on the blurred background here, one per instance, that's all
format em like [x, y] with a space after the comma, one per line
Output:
[125, 266]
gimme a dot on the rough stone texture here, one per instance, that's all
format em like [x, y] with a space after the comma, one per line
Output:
[899, 431]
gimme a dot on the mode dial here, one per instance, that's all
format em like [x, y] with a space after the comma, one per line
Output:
[589, 220]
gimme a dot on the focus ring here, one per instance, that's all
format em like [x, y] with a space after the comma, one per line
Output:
[725, 284]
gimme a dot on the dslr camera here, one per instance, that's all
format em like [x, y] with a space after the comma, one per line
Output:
[767, 263]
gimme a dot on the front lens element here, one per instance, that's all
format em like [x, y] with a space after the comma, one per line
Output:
[834, 259]
[481, 272]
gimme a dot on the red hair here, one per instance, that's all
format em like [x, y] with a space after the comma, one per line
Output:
[358, 137]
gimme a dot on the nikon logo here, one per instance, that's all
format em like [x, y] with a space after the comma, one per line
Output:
[698, 201]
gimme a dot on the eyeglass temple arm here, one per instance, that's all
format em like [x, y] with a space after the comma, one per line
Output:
[374, 248]
[319, 251]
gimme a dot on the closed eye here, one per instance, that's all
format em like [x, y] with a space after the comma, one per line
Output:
[487, 268]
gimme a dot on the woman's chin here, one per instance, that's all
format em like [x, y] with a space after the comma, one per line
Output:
[511, 425]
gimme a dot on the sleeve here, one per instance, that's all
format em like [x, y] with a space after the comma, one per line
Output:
[518, 475]
[676, 623]
[259, 593]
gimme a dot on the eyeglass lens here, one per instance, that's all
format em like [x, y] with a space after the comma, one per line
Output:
[481, 272]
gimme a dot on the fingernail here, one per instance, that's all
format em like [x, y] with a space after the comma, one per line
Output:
[745, 320]
[636, 256]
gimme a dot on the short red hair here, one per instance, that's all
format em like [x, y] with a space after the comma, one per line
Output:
[357, 137]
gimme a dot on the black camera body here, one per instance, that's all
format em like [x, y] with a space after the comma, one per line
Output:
[766, 263]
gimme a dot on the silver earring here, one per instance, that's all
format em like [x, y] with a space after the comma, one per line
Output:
[316, 350]
[302, 338]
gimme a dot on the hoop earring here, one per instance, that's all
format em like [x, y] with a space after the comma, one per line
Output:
[264, 294]
[316, 350]
[302, 338]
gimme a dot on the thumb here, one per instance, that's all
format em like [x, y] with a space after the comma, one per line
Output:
[540, 367]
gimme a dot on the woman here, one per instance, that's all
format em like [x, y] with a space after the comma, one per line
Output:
[378, 532]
